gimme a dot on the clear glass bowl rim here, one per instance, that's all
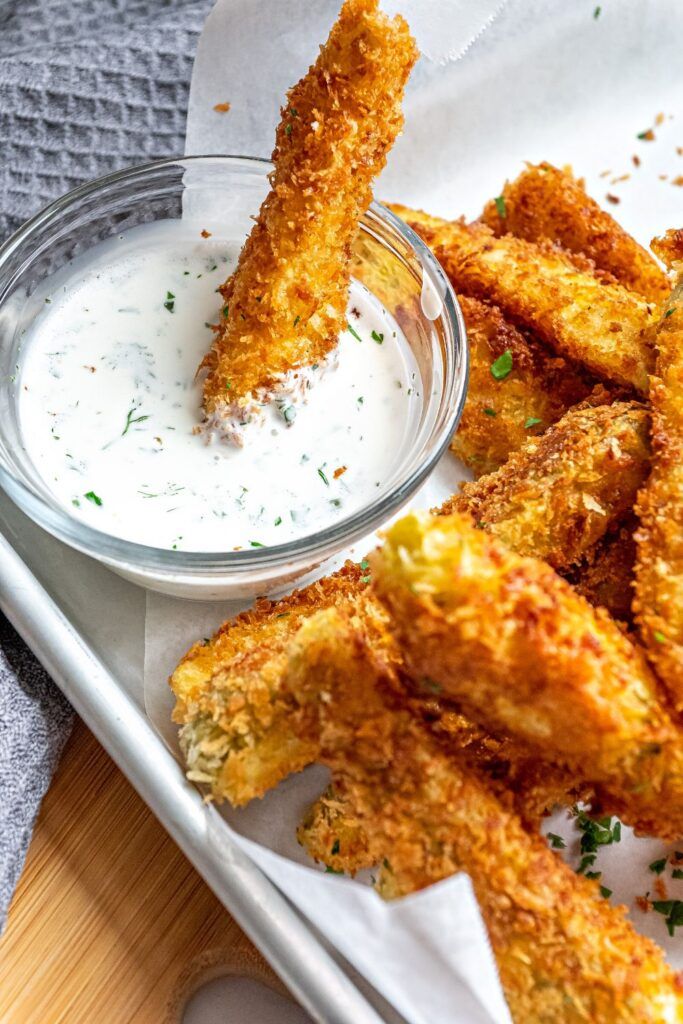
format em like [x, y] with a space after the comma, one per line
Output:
[105, 546]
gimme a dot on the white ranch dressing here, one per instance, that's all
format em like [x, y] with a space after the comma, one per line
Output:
[109, 404]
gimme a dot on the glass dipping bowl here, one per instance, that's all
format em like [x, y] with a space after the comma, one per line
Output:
[388, 258]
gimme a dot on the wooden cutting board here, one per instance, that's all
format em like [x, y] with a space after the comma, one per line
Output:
[110, 922]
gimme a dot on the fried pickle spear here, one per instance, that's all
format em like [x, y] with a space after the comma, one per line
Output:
[501, 412]
[522, 653]
[285, 304]
[236, 733]
[659, 565]
[228, 690]
[564, 954]
[558, 495]
[602, 326]
[545, 202]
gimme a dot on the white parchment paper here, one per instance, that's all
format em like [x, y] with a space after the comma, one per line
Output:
[548, 80]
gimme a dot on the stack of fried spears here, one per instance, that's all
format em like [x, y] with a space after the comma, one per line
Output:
[518, 648]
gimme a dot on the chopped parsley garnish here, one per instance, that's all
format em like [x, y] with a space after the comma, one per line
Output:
[331, 871]
[289, 414]
[598, 832]
[670, 312]
[91, 496]
[365, 564]
[605, 892]
[677, 873]
[169, 304]
[296, 320]
[256, 544]
[659, 636]
[489, 412]
[130, 420]
[288, 129]
[672, 910]
[500, 206]
[324, 479]
[587, 861]
[293, 112]
[226, 310]
[502, 366]
[228, 385]
[533, 421]
[379, 338]
[354, 333]
[593, 875]
[657, 866]
[366, 579]
[360, 400]
[76, 502]
[277, 521]
[596, 13]
[556, 842]
[647, 136]
[335, 847]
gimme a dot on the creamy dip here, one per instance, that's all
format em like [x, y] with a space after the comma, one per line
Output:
[109, 404]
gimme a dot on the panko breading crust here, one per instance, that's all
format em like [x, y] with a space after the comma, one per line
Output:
[564, 954]
[285, 304]
[659, 566]
[236, 733]
[558, 495]
[545, 202]
[600, 325]
[522, 653]
[501, 414]
[605, 577]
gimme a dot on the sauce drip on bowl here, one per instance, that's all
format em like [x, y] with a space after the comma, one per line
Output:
[109, 404]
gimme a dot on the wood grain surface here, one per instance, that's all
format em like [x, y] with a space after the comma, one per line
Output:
[110, 922]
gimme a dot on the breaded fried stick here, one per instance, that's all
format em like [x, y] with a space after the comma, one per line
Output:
[659, 565]
[558, 495]
[236, 732]
[564, 954]
[229, 689]
[503, 409]
[545, 202]
[285, 304]
[522, 653]
[602, 326]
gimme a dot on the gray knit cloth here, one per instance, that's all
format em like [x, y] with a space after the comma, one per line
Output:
[86, 87]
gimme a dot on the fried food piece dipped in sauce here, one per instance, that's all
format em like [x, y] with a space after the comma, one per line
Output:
[559, 494]
[659, 565]
[521, 653]
[517, 388]
[285, 304]
[545, 202]
[592, 322]
[564, 954]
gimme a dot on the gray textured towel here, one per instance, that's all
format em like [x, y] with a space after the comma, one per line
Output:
[86, 87]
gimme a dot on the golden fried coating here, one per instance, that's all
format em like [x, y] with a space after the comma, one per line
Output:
[501, 413]
[558, 495]
[236, 734]
[285, 304]
[523, 654]
[658, 601]
[602, 326]
[332, 834]
[605, 577]
[545, 202]
[564, 954]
